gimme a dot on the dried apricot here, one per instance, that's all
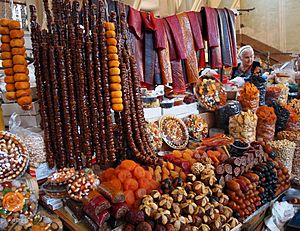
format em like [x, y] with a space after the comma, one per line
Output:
[130, 184]
[139, 172]
[140, 193]
[128, 164]
[177, 154]
[129, 197]
[165, 171]
[124, 174]
[153, 184]
[144, 183]
[148, 175]
[107, 173]
[117, 184]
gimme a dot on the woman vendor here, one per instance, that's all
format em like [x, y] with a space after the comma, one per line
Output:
[247, 67]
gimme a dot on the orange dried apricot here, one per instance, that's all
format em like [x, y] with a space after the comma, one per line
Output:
[107, 173]
[124, 174]
[128, 164]
[177, 154]
[148, 175]
[117, 184]
[130, 184]
[129, 197]
[139, 172]
[139, 193]
[144, 183]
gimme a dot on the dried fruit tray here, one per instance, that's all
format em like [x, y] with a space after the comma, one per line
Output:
[174, 132]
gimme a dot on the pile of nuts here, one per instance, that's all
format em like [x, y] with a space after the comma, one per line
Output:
[285, 150]
[82, 183]
[13, 156]
[199, 203]
[295, 103]
[243, 126]
[62, 176]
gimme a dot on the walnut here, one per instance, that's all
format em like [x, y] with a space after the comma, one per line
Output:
[197, 168]
[155, 195]
[177, 220]
[188, 207]
[179, 194]
[201, 200]
[166, 201]
[162, 216]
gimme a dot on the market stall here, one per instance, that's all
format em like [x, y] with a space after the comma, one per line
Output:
[132, 136]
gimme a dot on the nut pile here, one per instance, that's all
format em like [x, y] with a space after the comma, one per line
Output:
[61, 176]
[82, 183]
[285, 150]
[36, 149]
[198, 204]
[13, 156]
[295, 103]
[243, 126]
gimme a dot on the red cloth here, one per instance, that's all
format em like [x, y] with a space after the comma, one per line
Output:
[160, 35]
[135, 22]
[197, 34]
[148, 20]
[171, 41]
[231, 24]
[178, 37]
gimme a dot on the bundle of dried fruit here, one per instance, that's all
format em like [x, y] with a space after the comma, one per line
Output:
[294, 117]
[249, 97]
[266, 114]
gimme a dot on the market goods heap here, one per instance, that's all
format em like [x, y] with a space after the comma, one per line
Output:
[77, 118]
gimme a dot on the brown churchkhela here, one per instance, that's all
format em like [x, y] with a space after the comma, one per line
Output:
[74, 89]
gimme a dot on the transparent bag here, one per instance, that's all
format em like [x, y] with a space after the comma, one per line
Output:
[32, 138]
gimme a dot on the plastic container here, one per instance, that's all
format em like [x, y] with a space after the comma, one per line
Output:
[167, 104]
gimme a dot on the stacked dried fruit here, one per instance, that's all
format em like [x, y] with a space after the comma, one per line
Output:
[243, 126]
[249, 97]
[265, 129]
[293, 122]
[81, 183]
[132, 179]
[244, 194]
[238, 165]
[194, 205]
[168, 170]
[113, 64]
[295, 103]
[15, 64]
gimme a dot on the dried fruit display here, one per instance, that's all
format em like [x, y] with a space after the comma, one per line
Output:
[174, 132]
[14, 157]
[243, 126]
[61, 176]
[197, 127]
[113, 64]
[294, 119]
[17, 202]
[198, 203]
[249, 97]
[295, 103]
[272, 94]
[154, 136]
[131, 179]
[15, 64]
[265, 129]
[81, 183]
[284, 150]
[168, 170]
[210, 93]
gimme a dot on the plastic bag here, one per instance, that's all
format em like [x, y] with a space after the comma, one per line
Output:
[222, 114]
[281, 213]
[265, 131]
[272, 94]
[282, 116]
[32, 138]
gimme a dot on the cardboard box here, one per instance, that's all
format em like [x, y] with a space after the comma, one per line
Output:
[26, 121]
[9, 108]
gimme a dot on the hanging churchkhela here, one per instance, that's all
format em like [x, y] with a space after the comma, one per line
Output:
[83, 72]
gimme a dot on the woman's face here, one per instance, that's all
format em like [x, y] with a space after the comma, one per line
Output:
[247, 58]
